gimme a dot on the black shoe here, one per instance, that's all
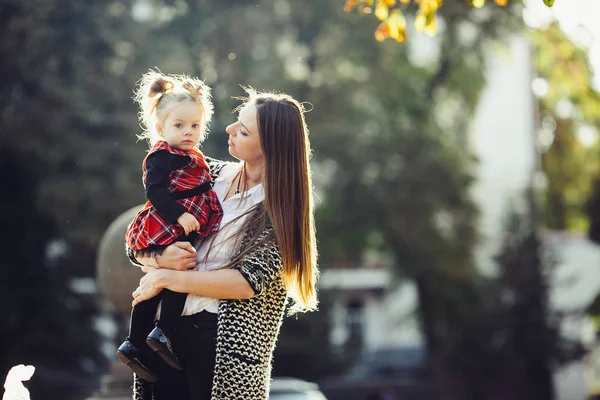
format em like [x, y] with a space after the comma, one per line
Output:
[131, 356]
[160, 343]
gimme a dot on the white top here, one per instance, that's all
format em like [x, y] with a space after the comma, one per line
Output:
[223, 245]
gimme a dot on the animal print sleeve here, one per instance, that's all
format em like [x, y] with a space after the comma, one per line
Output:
[262, 265]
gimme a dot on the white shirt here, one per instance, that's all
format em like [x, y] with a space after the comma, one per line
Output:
[223, 245]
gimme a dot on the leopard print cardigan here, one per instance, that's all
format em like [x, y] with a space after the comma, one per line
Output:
[246, 329]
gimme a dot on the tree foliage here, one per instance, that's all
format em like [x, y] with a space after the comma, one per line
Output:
[570, 120]
[59, 122]
[393, 14]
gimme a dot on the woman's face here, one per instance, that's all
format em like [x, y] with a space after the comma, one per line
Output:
[244, 139]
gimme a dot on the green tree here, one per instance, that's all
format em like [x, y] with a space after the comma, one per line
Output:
[569, 109]
[402, 173]
[65, 97]
[46, 322]
[61, 138]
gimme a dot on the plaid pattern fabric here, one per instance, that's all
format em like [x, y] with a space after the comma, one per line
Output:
[149, 228]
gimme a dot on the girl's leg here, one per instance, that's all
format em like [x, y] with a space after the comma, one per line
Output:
[142, 321]
[171, 308]
[195, 343]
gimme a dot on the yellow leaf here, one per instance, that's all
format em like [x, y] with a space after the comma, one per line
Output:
[397, 26]
[350, 4]
[382, 31]
[501, 2]
[382, 11]
[429, 6]
[390, 3]
[431, 25]
[549, 3]
[478, 3]
[405, 1]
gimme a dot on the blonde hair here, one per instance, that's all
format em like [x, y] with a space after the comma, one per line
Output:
[158, 93]
[288, 203]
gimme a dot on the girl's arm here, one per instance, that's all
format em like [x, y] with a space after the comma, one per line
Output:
[179, 256]
[158, 168]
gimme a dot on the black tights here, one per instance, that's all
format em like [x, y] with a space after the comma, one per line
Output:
[143, 314]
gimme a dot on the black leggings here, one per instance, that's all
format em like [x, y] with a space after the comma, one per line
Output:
[143, 314]
[194, 342]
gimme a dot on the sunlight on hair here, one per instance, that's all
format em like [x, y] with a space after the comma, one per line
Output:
[13, 386]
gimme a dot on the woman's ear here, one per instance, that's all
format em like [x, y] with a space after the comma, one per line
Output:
[159, 129]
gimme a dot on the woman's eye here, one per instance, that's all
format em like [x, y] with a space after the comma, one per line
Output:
[178, 126]
[196, 126]
[243, 133]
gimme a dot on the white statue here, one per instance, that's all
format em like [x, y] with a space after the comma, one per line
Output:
[13, 386]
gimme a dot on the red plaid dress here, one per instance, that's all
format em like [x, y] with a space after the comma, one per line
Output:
[149, 228]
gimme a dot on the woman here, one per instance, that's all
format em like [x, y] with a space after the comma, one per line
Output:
[263, 254]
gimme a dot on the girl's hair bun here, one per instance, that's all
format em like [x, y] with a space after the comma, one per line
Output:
[161, 85]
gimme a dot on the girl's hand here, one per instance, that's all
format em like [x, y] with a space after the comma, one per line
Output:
[150, 285]
[188, 222]
[179, 256]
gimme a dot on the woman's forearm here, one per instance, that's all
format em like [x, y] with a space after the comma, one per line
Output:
[218, 284]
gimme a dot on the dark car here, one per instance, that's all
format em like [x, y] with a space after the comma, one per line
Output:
[397, 372]
[393, 362]
[295, 389]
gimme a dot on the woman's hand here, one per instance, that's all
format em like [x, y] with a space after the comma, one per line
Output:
[179, 256]
[150, 285]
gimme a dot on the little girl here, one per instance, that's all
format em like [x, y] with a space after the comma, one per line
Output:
[181, 204]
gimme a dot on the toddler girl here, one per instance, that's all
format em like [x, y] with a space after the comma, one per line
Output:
[181, 204]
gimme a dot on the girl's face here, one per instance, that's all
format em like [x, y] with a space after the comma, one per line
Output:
[244, 139]
[182, 126]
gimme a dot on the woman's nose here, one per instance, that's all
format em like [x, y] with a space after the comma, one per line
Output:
[229, 129]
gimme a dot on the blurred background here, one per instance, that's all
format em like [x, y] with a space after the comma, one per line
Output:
[457, 183]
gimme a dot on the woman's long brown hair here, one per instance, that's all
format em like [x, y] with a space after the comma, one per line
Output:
[288, 203]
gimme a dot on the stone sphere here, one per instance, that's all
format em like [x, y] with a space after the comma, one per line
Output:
[117, 276]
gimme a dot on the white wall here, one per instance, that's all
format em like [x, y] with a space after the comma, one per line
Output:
[502, 137]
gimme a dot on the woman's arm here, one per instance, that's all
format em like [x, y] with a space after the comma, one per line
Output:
[246, 279]
[217, 284]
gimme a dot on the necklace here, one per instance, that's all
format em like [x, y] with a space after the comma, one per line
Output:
[241, 173]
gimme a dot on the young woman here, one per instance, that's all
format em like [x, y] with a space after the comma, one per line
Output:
[239, 280]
